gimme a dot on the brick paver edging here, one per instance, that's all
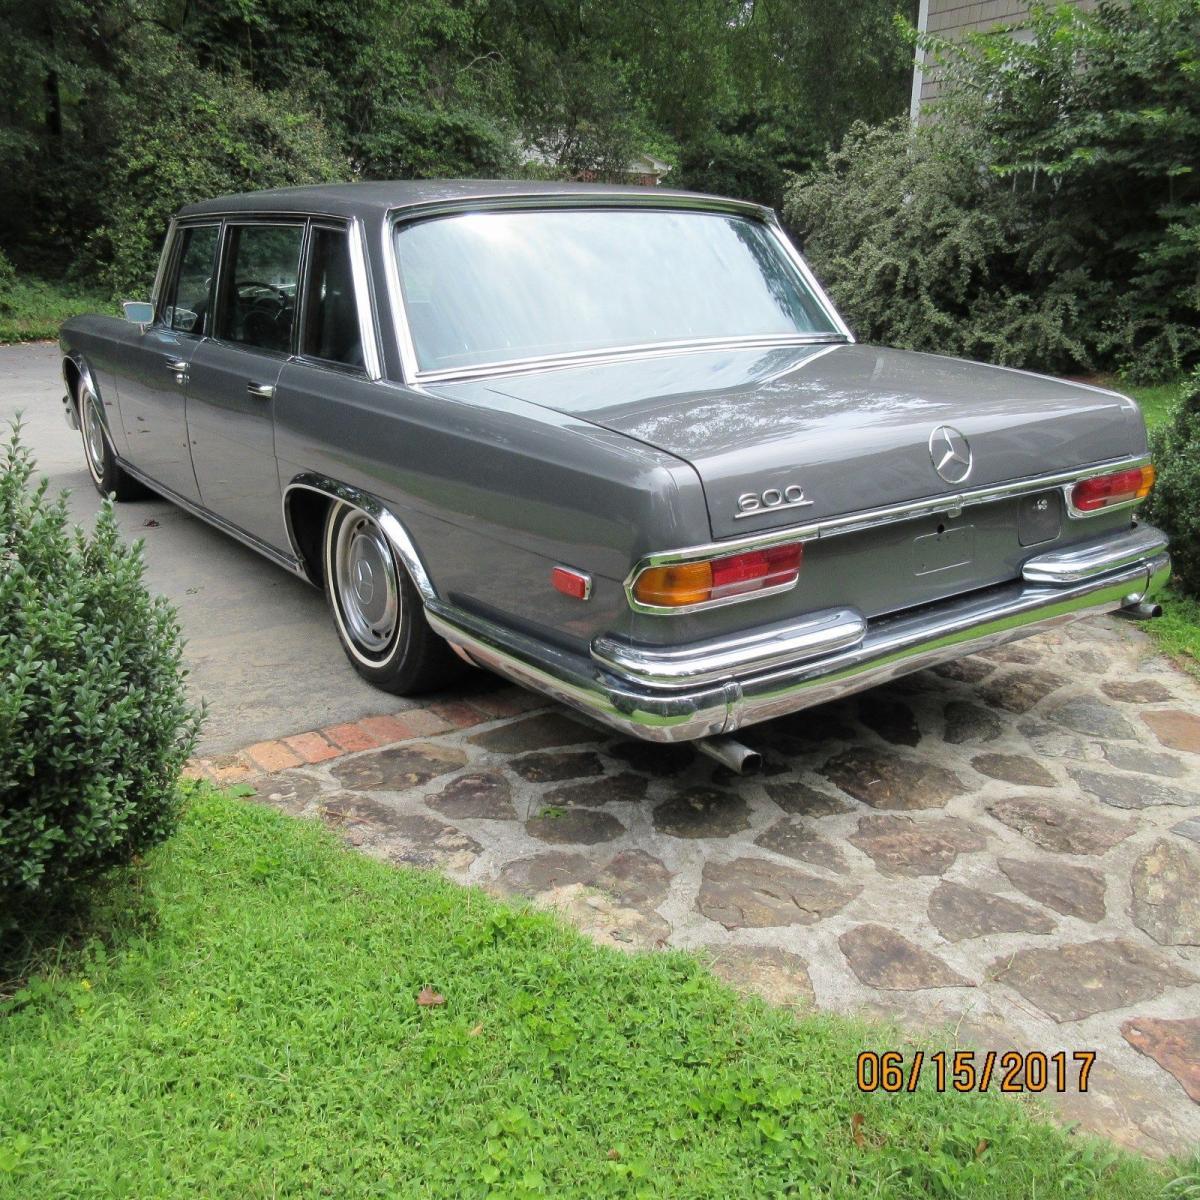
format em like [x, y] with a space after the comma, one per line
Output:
[367, 733]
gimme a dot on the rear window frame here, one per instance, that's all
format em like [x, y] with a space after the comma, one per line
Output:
[414, 372]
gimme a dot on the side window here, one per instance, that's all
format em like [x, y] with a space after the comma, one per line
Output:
[331, 330]
[258, 285]
[189, 295]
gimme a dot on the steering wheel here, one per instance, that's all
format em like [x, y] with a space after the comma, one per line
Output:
[267, 287]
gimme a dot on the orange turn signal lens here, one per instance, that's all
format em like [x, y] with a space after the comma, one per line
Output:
[675, 586]
[684, 584]
[1104, 491]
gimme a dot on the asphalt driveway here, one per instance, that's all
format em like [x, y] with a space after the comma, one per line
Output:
[1003, 851]
[261, 647]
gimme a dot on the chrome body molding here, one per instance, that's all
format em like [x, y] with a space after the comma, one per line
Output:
[1094, 558]
[866, 519]
[891, 647]
[757, 650]
[399, 537]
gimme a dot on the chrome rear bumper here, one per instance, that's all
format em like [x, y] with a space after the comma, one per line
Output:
[708, 688]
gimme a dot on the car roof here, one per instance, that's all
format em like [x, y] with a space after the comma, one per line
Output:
[377, 198]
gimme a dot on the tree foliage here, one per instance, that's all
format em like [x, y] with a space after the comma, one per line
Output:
[1048, 215]
[114, 114]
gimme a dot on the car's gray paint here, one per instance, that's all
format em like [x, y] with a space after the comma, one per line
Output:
[594, 466]
[848, 424]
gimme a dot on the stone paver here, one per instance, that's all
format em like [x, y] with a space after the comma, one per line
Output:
[752, 893]
[1066, 828]
[1176, 729]
[1072, 982]
[881, 958]
[1003, 851]
[1174, 1045]
[959, 912]
[1166, 894]
[903, 846]
[1070, 890]
[883, 779]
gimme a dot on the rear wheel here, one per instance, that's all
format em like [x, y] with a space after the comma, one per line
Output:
[377, 609]
[102, 464]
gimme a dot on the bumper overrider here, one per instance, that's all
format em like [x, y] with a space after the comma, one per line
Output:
[679, 693]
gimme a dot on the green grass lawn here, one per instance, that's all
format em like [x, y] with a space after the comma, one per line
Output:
[33, 309]
[249, 1027]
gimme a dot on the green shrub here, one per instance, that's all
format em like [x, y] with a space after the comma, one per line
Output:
[920, 250]
[95, 724]
[1047, 214]
[209, 135]
[1174, 505]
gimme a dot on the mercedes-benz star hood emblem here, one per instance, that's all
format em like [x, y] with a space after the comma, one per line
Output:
[951, 454]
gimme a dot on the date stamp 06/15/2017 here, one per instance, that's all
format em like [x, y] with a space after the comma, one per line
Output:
[975, 1070]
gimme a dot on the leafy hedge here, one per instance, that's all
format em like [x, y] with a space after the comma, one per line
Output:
[1047, 214]
[1174, 505]
[95, 724]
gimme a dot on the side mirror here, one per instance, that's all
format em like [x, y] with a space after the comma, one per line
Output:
[138, 312]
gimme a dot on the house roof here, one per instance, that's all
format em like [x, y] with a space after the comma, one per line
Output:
[374, 199]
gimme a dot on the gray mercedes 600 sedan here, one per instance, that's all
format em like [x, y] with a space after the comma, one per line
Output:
[615, 444]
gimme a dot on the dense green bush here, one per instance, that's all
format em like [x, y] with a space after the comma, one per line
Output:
[1047, 215]
[209, 135]
[1174, 505]
[920, 250]
[94, 721]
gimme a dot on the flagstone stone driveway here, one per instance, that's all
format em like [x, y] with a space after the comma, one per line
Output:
[1004, 848]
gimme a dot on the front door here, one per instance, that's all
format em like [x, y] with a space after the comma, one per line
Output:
[232, 377]
[154, 374]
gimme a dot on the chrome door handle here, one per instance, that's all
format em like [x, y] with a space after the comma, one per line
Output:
[178, 367]
[264, 391]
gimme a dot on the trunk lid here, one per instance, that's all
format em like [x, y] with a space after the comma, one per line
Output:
[833, 430]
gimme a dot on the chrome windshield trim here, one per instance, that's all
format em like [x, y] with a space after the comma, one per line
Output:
[559, 362]
[865, 519]
[413, 373]
[725, 657]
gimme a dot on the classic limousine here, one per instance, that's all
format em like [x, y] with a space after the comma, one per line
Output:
[615, 444]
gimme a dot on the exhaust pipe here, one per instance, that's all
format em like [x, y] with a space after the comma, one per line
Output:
[1144, 610]
[729, 752]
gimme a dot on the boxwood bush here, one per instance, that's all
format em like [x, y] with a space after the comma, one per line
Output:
[95, 724]
[1174, 505]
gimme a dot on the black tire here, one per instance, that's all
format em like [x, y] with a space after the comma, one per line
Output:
[108, 476]
[377, 610]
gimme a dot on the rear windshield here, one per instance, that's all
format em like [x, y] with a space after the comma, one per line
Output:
[488, 288]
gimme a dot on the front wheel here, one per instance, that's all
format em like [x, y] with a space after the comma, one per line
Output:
[377, 609]
[102, 463]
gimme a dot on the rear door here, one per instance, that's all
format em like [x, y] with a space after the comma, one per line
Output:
[232, 376]
[154, 370]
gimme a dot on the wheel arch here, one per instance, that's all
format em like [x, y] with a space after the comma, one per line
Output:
[306, 503]
[75, 370]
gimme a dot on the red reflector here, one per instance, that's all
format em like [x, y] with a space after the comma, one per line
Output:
[576, 584]
[1122, 487]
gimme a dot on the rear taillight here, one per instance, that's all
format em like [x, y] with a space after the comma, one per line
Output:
[681, 585]
[1105, 491]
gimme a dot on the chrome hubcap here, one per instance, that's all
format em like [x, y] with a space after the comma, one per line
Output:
[93, 436]
[367, 587]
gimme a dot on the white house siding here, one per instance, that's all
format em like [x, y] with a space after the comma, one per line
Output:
[953, 18]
